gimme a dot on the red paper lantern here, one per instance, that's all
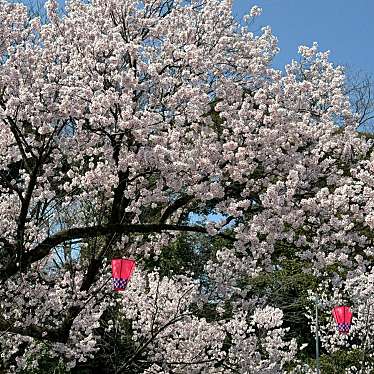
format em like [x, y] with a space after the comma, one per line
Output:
[121, 272]
[343, 318]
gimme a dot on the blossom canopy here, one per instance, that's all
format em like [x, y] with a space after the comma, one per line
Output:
[158, 130]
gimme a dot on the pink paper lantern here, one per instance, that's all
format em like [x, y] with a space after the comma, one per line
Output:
[121, 272]
[343, 318]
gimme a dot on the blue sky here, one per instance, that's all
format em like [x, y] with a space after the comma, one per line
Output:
[344, 27]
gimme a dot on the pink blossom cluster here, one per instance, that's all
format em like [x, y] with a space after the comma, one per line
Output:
[120, 119]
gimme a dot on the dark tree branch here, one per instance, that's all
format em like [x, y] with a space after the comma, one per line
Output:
[174, 207]
[33, 331]
[44, 248]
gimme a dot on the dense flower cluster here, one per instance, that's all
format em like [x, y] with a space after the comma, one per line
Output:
[119, 120]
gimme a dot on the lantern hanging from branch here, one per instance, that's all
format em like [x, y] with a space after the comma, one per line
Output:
[343, 318]
[121, 272]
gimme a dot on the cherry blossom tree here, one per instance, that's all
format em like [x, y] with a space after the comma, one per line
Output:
[121, 121]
